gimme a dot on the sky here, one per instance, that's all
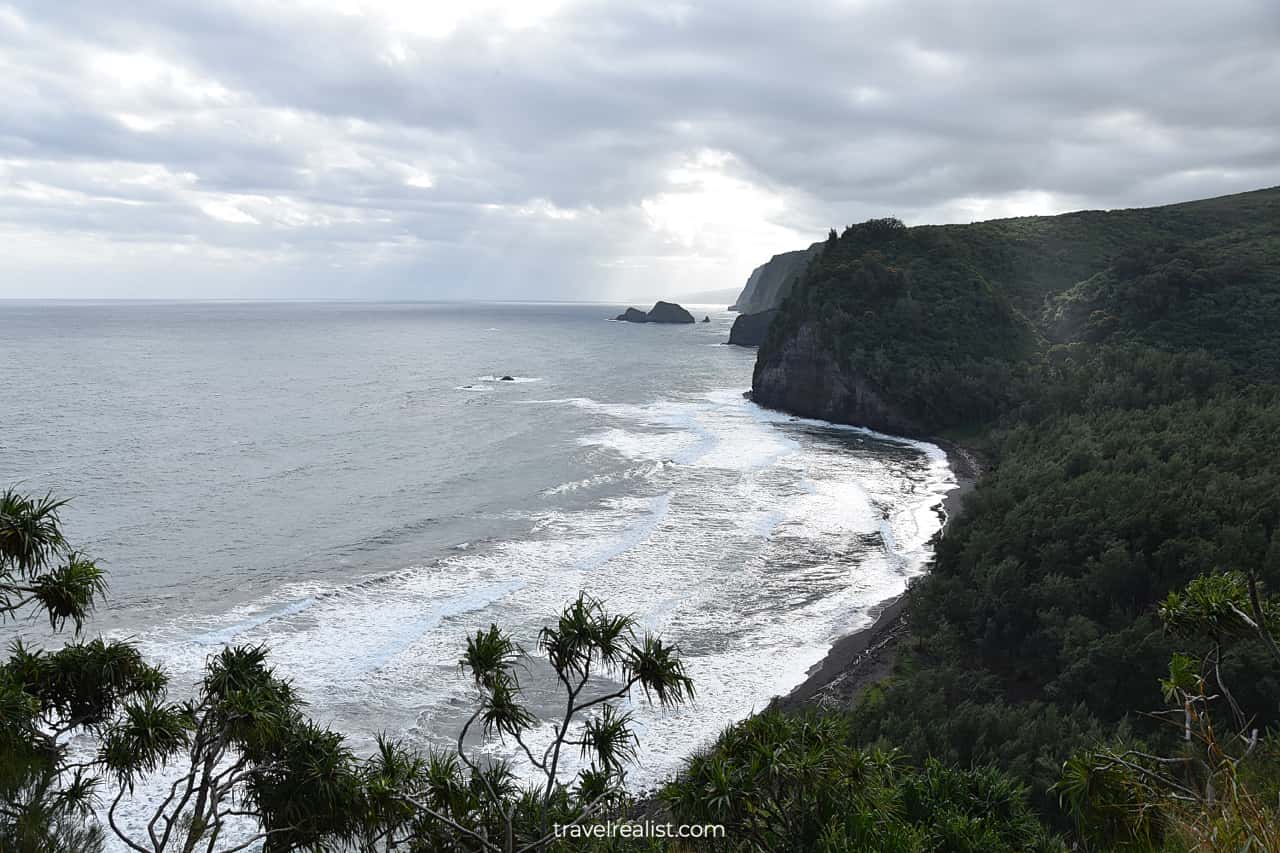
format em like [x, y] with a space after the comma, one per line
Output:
[593, 151]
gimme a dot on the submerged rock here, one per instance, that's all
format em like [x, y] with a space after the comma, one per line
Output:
[749, 329]
[507, 379]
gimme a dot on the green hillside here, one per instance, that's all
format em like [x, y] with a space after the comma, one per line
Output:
[1118, 371]
[951, 322]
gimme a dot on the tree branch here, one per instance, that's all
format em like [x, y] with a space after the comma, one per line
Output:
[111, 820]
[583, 815]
[486, 843]
[1255, 604]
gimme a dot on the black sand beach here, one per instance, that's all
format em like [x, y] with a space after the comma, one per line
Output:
[863, 657]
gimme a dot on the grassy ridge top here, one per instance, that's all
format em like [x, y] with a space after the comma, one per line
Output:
[1032, 256]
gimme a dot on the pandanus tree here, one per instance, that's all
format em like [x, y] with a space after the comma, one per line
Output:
[459, 800]
[253, 762]
[237, 765]
[48, 697]
[1199, 797]
[245, 767]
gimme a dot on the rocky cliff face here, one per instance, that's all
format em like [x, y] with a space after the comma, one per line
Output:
[800, 375]
[748, 293]
[749, 329]
[770, 282]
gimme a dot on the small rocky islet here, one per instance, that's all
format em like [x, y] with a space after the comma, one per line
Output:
[662, 312]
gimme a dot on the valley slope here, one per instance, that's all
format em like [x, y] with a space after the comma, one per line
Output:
[1117, 371]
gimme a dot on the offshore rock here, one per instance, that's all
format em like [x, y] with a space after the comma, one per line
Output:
[668, 312]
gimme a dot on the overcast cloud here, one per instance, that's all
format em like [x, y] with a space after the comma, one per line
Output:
[541, 149]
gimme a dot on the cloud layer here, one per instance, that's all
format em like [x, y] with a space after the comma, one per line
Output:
[544, 149]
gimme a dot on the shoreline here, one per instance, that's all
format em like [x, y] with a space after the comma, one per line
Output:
[967, 469]
[864, 656]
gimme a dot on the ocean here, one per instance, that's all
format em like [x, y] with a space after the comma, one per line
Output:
[355, 486]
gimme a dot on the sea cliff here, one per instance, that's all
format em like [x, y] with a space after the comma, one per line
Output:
[749, 330]
[770, 282]
[802, 373]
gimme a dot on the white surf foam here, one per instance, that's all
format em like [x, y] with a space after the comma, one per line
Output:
[830, 531]
[720, 431]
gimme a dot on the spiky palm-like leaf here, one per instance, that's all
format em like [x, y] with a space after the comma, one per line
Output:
[149, 735]
[70, 591]
[30, 532]
[491, 655]
[608, 741]
[660, 672]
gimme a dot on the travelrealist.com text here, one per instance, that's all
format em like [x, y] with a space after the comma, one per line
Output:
[640, 829]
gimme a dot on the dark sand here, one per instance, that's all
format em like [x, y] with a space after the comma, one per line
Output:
[858, 660]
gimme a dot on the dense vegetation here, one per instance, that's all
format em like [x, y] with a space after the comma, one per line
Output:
[796, 783]
[1118, 372]
[952, 324]
[957, 338]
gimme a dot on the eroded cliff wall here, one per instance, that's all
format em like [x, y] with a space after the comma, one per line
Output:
[801, 374]
[770, 282]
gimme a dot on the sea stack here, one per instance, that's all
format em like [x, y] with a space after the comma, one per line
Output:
[662, 312]
[669, 312]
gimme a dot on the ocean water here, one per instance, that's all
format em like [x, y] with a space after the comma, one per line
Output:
[353, 485]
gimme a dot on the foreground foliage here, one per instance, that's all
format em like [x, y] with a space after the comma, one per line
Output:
[46, 797]
[238, 765]
[1218, 789]
[797, 783]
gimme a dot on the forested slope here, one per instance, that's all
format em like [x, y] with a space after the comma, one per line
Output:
[1118, 371]
[945, 325]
